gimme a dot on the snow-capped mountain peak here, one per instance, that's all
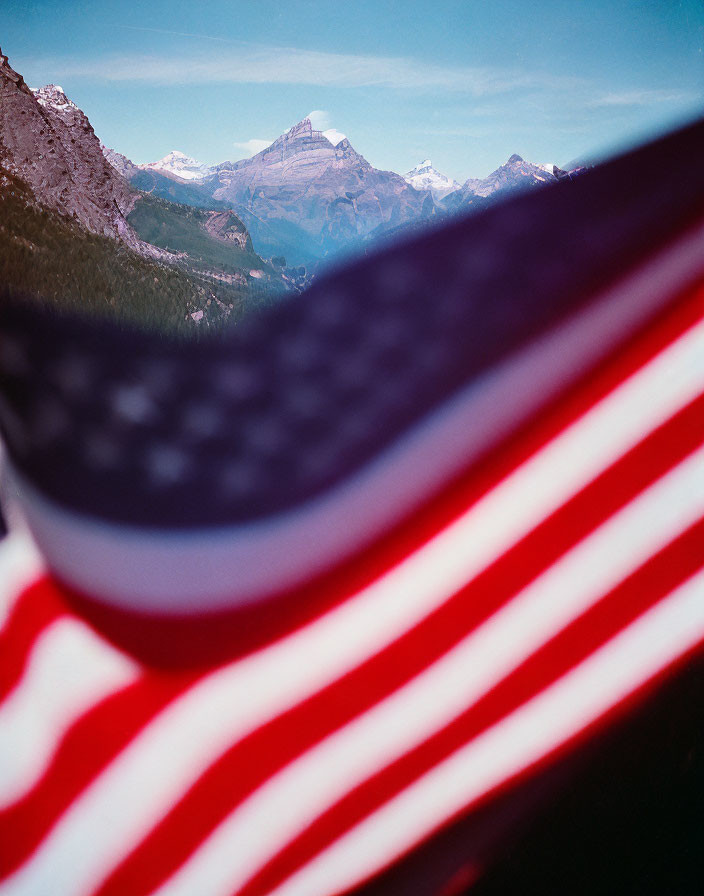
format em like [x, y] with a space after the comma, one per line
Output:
[180, 165]
[425, 177]
[53, 96]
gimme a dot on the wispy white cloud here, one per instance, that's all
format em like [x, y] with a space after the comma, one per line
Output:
[253, 146]
[279, 65]
[223, 40]
[643, 97]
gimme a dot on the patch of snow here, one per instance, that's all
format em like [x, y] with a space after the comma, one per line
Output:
[52, 96]
[425, 177]
[183, 166]
[334, 136]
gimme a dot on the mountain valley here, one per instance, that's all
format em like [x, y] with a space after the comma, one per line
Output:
[76, 232]
[225, 237]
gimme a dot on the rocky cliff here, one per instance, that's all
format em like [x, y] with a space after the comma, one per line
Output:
[47, 142]
[120, 163]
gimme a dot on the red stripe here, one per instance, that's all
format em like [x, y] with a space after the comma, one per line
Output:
[443, 510]
[213, 637]
[617, 711]
[639, 592]
[38, 606]
[89, 745]
[260, 755]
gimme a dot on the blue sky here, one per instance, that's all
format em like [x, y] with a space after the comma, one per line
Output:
[464, 82]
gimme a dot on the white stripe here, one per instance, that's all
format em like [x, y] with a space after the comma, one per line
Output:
[292, 799]
[607, 677]
[139, 786]
[187, 572]
[20, 565]
[69, 670]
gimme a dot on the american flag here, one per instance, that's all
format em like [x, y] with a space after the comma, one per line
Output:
[302, 602]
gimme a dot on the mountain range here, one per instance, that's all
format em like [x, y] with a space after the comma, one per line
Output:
[75, 231]
[303, 166]
[305, 199]
[311, 198]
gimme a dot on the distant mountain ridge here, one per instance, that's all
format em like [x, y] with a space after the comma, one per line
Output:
[514, 174]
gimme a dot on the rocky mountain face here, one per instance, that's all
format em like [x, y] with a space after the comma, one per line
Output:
[180, 165]
[120, 163]
[307, 198]
[49, 144]
[516, 173]
[227, 228]
[76, 233]
[425, 177]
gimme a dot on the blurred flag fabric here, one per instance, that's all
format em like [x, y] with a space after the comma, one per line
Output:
[340, 601]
